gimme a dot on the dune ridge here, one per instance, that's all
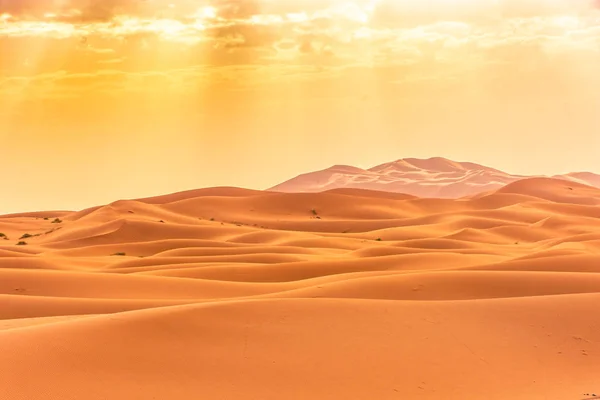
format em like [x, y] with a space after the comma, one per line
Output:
[227, 293]
[435, 177]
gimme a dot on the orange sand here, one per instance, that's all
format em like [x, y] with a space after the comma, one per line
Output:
[251, 295]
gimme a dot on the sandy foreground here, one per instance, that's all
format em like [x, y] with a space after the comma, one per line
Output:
[235, 294]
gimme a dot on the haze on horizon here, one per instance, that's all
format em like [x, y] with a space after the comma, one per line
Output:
[128, 98]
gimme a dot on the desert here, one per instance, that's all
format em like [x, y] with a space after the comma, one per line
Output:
[299, 199]
[348, 293]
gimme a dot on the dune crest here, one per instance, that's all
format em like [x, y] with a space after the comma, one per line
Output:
[435, 177]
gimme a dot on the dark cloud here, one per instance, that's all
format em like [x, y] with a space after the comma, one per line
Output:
[86, 10]
[246, 8]
[246, 35]
[100, 10]
[17, 7]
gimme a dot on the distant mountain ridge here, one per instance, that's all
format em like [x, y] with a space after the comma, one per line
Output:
[435, 177]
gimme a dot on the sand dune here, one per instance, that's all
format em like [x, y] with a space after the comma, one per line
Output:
[434, 177]
[352, 293]
[586, 178]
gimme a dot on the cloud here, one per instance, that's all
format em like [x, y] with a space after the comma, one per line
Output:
[71, 10]
[282, 38]
[237, 9]
[381, 12]
[245, 35]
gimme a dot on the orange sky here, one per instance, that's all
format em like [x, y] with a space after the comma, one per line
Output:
[109, 99]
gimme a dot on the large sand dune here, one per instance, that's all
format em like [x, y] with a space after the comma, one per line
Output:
[433, 177]
[228, 293]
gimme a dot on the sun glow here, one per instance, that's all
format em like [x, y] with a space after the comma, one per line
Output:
[567, 22]
[207, 13]
[298, 17]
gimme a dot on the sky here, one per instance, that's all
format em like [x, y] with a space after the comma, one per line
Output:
[111, 99]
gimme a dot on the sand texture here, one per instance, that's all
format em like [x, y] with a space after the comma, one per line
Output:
[228, 293]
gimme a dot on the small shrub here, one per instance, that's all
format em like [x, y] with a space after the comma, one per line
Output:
[3, 236]
[378, 239]
[26, 236]
[21, 243]
[314, 212]
[46, 219]
[57, 221]
[119, 254]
